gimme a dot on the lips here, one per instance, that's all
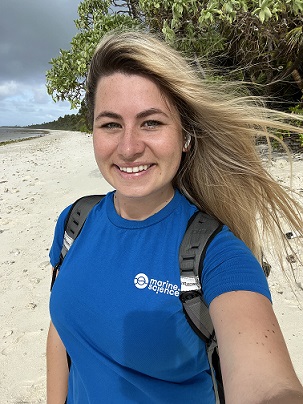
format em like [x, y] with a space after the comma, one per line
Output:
[136, 169]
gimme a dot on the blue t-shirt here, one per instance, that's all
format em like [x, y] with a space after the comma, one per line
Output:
[116, 306]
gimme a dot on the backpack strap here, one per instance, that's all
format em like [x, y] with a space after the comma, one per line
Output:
[76, 218]
[73, 225]
[201, 229]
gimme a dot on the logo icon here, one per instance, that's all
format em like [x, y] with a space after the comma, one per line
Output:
[141, 281]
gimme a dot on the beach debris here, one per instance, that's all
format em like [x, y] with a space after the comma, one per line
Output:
[32, 305]
[4, 352]
[4, 221]
[266, 268]
[15, 252]
[291, 258]
[35, 280]
[300, 285]
[8, 334]
[291, 234]
[44, 264]
[9, 262]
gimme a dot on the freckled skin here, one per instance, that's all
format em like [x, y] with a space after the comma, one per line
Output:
[146, 131]
[254, 359]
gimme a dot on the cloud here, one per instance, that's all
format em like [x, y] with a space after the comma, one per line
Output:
[31, 33]
[24, 109]
[23, 90]
[8, 89]
[23, 104]
[40, 95]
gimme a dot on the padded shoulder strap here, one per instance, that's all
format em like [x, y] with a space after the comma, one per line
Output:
[200, 231]
[73, 225]
[76, 219]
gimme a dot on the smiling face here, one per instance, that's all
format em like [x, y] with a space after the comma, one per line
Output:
[138, 139]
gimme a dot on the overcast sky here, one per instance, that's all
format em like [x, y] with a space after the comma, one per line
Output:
[31, 33]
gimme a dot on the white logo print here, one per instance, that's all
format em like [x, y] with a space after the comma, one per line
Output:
[141, 281]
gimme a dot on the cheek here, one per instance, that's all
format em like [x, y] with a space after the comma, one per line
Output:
[100, 155]
[101, 147]
[177, 151]
[95, 142]
[178, 155]
[172, 158]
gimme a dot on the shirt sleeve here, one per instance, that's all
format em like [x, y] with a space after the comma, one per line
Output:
[54, 253]
[229, 265]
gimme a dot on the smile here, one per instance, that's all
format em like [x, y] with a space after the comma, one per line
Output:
[134, 169]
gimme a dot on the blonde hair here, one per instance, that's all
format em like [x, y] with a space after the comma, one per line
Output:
[222, 173]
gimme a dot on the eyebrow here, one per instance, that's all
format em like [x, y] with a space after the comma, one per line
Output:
[140, 115]
[150, 111]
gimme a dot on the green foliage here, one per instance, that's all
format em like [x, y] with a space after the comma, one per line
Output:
[261, 40]
[67, 76]
[72, 122]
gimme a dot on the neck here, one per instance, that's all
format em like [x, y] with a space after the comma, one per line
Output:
[133, 208]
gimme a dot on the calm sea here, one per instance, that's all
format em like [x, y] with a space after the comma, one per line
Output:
[7, 133]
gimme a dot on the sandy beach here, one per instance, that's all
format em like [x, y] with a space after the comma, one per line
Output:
[38, 178]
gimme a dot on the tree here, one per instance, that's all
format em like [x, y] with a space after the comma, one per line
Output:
[260, 40]
[66, 79]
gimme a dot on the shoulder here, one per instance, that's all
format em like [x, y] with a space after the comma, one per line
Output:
[59, 231]
[225, 245]
[86, 203]
[230, 265]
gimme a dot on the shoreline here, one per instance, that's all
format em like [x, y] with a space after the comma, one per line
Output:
[38, 179]
[23, 139]
[11, 134]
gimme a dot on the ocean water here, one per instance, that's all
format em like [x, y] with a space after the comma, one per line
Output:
[11, 133]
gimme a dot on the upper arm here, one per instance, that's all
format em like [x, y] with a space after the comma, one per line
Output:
[254, 358]
[57, 368]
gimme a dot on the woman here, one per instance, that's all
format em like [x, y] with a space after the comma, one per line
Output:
[169, 144]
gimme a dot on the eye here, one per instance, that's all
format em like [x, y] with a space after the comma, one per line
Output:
[110, 125]
[152, 124]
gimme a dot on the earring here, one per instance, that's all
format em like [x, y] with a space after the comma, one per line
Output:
[187, 142]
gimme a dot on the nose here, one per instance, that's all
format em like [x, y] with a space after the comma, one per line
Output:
[130, 145]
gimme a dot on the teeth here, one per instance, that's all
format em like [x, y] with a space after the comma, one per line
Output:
[134, 169]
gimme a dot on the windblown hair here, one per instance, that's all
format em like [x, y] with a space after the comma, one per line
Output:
[222, 173]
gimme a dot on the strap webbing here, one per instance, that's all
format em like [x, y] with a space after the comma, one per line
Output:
[73, 226]
[197, 314]
[201, 230]
[199, 233]
[75, 221]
